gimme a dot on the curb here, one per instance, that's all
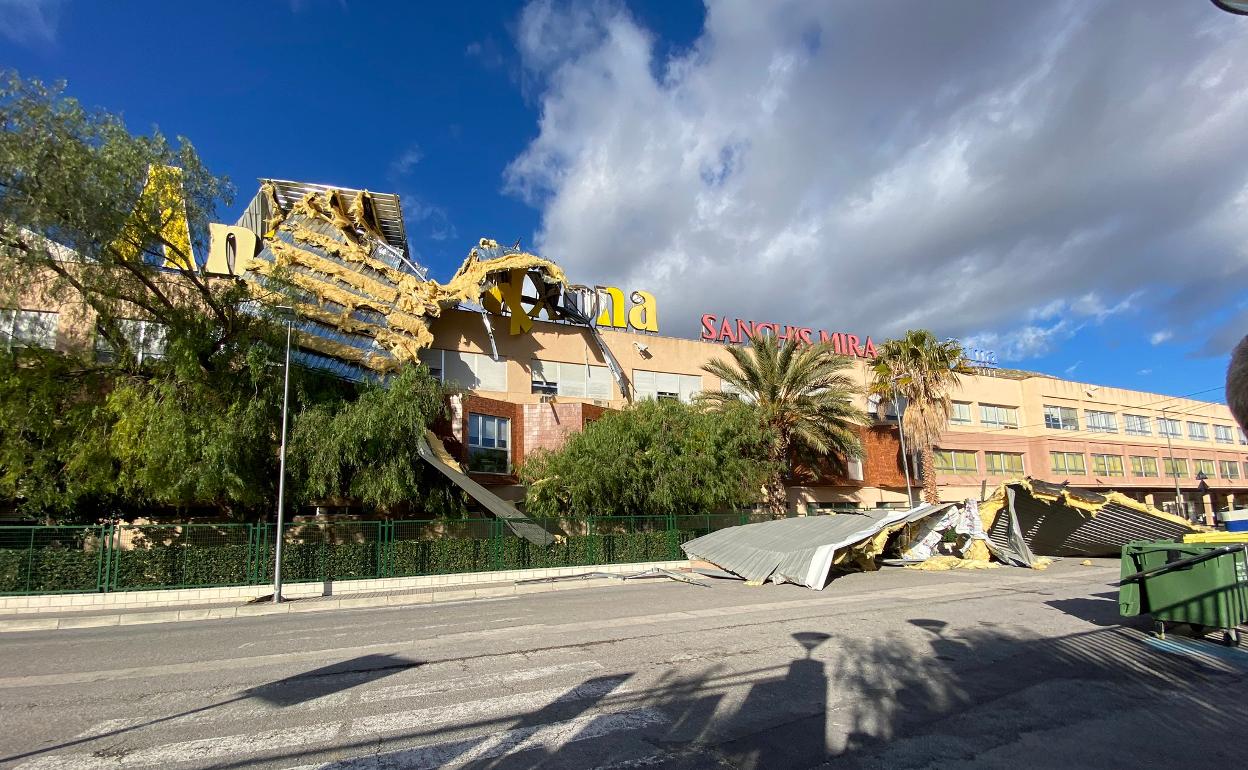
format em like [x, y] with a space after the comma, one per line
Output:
[293, 606]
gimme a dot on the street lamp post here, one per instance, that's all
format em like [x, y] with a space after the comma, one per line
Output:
[281, 478]
[905, 457]
[1180, 506]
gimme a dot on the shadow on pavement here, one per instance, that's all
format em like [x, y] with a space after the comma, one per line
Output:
[936, 696]
[327, 680]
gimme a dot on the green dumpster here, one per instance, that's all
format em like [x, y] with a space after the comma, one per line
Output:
[1204, 585]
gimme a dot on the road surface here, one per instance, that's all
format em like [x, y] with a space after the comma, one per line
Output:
[896, 669]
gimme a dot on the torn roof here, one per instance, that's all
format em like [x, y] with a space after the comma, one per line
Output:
[362, 308]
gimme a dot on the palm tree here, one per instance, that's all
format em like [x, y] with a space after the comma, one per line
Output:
[803, 398]
[923, 370]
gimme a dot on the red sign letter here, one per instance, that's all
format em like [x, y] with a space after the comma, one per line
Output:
[708, 327]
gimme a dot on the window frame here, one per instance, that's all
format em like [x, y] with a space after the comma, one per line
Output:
[1162, 424]
[481, 448]
[1170, 468]
[953, 413]
[1059, 422]
[1223, 465]
[952, 468]
[1145, 420]
[1139, 473]
[11, 325]
[989, 456]
[1111, 425]
[1222, 434]
[1204, 431]
[1106, 470]
[1066, 467]
[988, 414]
[1206, 466]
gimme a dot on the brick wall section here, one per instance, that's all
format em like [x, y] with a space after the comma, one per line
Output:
[881, 463]
[473, 404]
[547, 426]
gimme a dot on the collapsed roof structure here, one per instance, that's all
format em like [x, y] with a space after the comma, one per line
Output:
[1027, 519]
[338, 257]
[1021, 524]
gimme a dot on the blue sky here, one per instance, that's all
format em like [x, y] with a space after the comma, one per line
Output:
[1041, 181]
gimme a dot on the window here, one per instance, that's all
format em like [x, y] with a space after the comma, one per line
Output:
[1107, 465]
[28, 329]
[1229, 468]
[1198, 431]
[961, 414]
[1144, 466]
[577, 380]
[1222, 434]
[489, 443]
[1168, 427]
[1068, 462]
[1101, 422]
[1001, 416]
[1205, 467]
[146, 340]
[472, 371]
[1061, 418]
[1137, 425]
[662, 385]
[953, 461]
[1176, 468]
[1003, 463]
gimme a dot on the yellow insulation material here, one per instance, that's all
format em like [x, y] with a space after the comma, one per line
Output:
[439, 449]
[943, 563]
[407, 302]
[1217, 537]
[285, 255]
[977, 551]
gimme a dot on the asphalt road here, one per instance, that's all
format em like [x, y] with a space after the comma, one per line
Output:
[897, 669]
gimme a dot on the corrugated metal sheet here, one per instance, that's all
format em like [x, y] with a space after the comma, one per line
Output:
[387, 207]
[797, 550]
[1056, 529]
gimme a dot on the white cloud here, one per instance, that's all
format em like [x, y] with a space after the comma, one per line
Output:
[406, 161]
[1144, 372]
[1070, 370]
[435, 221]
[30, 22]
[880, 166]
[1160, 336]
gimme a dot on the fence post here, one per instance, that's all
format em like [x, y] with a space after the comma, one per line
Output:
[101, 558]
[30, 558]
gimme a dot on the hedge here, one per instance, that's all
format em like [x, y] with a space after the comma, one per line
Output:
[62, 570]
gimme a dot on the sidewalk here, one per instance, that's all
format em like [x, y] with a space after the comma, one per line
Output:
[181, 612]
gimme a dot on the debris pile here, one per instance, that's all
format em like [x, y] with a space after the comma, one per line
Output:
[1024, 523]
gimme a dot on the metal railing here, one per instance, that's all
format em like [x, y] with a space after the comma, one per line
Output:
[134, 557]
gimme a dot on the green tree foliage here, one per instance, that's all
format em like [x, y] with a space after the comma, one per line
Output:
[654, 458]
[91, 222]
[924, 370]
[365, 449]
[802, 398]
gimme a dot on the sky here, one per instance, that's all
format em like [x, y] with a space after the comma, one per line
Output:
[1065, 183]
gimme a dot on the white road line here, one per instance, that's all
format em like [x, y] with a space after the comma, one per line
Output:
[188, 751]
[473, 682]
[246, 744]
[549, 737]
[249, 709]
[520, 703]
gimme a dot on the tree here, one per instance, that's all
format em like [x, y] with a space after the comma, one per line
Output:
[654, 458]
[924, 370]
[106, 226]
[801, 397]
[365, 448]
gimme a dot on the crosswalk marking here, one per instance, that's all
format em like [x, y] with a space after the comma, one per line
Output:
[509, 706]
[247, 710]
[550, 737]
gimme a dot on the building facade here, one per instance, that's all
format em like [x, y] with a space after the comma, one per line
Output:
[526, 383]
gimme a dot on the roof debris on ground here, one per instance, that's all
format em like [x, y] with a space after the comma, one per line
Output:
[1024, 523]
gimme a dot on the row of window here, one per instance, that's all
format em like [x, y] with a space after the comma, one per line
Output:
[967, 463]
[28, 329]
[1075, 464]
[476, 371]
[993, 415]
[1067, 418]
[37, 328]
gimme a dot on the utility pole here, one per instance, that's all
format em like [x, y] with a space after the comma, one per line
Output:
[281, 478]
[1180, 506]
[905, 457]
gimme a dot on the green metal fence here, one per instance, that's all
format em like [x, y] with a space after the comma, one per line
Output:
[131, 557]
